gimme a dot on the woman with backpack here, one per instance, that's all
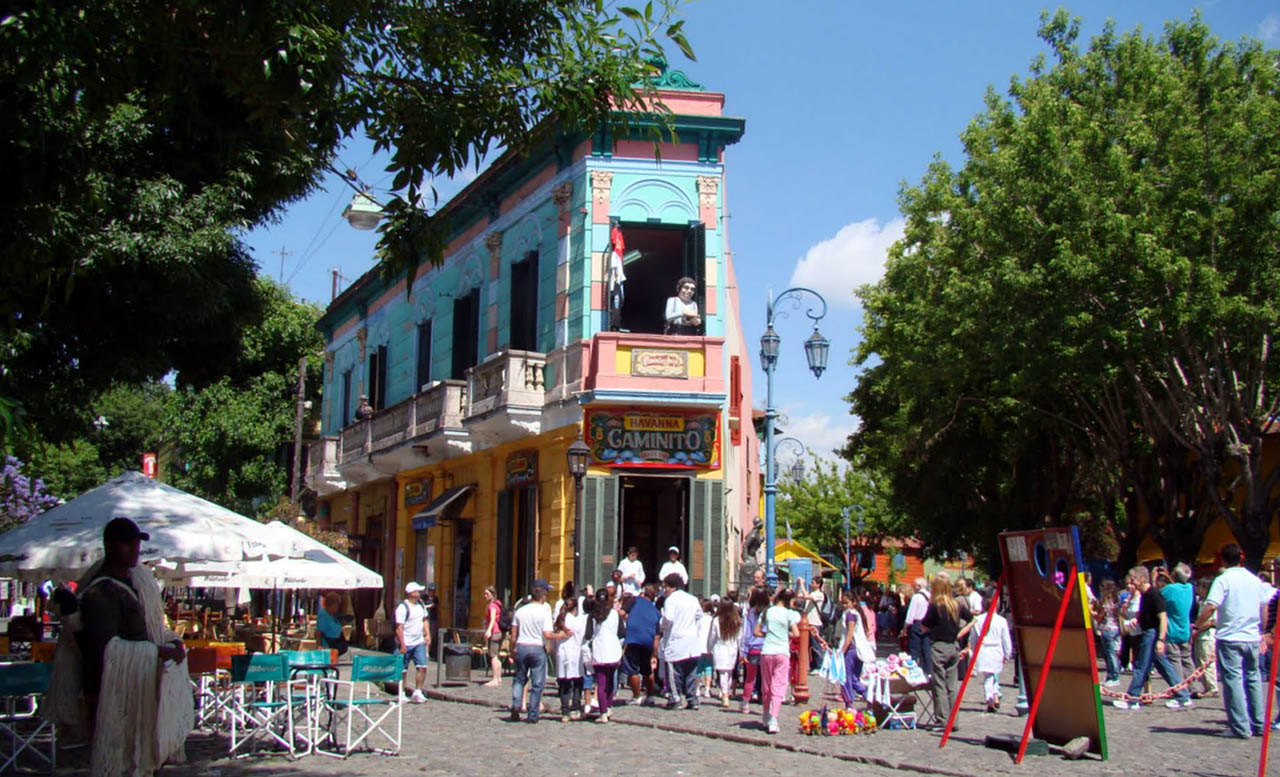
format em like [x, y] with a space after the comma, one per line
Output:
[604, 635]
[494, 633]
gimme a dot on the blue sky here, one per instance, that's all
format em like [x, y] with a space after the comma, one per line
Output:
[844, 101]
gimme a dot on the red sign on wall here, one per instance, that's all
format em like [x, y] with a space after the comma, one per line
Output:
[149, 464]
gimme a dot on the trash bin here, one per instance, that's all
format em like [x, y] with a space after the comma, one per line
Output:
[457, 661]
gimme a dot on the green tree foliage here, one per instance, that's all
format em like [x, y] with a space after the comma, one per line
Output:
[815, 506]
[141, 138]
[110, 434]
[1084, 311]
[228, 441]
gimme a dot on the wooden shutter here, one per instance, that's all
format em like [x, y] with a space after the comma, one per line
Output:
[599, 529]
[706, 537]
[502, 547]
[695, 261]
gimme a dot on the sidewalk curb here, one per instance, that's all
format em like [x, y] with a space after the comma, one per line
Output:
[743, 739]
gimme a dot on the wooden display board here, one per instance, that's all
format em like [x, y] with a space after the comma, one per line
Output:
[1045, 587]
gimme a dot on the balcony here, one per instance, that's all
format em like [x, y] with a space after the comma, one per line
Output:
[407, 434]
[505, 396]
[640, 368]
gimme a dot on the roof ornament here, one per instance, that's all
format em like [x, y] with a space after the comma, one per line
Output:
[666, 78]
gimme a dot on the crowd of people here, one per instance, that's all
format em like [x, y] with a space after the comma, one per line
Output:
[654, 643]
[665, 646]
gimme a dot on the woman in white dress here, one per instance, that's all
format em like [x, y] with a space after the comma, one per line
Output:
[990, 656]
[572, 623]
[725, 641]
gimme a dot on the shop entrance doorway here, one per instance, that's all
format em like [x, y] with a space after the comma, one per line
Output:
[653, 516]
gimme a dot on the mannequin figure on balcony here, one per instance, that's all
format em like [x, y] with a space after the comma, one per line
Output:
[682, 312]
[364, 410]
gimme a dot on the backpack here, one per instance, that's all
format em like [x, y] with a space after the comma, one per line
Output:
[828, 611]
[504, 620]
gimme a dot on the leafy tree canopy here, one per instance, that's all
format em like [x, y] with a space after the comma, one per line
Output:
[142, 138]
[1084, 311]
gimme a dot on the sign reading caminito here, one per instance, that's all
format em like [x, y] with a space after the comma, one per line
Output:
[659, 438]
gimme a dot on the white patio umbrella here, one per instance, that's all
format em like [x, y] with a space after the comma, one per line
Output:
[316, 566]
[64, 542]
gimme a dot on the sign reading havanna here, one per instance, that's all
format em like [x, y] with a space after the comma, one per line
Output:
[659, 438]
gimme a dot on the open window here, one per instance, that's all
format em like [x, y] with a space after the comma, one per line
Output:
[466, 333]
[377, 381]
[655, 257]
[424, 355]
[524, 303]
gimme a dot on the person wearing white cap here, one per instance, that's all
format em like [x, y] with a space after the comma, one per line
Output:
[673, 566]
[411, 618]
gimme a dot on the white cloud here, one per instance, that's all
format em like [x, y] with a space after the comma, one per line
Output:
[854, 256]
[819, 431]
[1269, 28]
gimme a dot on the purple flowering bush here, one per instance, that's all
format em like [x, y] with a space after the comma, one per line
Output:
[21, 497]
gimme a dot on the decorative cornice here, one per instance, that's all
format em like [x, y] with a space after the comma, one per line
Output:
[493, 241]
[562, 193]
[708, 186]
[601, 185]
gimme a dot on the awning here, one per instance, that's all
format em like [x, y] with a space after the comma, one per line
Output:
[444, 507]
[785, 550]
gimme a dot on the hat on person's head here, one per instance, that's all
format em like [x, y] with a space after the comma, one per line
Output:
[541, 583]
[122, 530]
[673, 549]
[431, 586]
[715, 597]
[413, 588]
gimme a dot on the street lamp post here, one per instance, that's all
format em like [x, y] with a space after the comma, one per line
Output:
[577, 456]
[816, 348]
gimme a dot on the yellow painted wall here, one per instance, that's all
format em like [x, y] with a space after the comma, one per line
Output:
[487, 469]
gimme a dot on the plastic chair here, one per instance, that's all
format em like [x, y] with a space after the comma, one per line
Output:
[342, 699]
[21, 728]
[260, 713]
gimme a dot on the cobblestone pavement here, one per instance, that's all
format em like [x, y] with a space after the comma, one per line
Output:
[464, 731]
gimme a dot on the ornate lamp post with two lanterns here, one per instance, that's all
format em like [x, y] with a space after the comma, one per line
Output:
[816, 348]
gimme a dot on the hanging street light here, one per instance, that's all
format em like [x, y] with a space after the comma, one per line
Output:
[363, 212]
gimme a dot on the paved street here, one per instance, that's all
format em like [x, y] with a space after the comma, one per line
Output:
[471, 736]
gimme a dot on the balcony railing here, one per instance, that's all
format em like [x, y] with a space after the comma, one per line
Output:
[506, 379]
[639, 362]
[421, 415]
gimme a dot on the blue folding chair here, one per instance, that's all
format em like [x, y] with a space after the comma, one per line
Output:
[373, 709]
[260, 706]
[21, 727]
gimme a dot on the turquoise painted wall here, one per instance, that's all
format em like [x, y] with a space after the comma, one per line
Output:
[641, 190]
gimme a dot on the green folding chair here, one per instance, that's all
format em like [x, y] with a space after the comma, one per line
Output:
[372, 710]
[260, 707]
[21, 727]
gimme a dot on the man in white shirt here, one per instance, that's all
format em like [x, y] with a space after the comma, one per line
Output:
[917, 638]
[531, 626]
[812, 605]
[681, 616]
[632, 569]
[1238, 598]
[673, 567]
[411, 617]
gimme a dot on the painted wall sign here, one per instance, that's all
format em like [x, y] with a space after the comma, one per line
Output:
[417, 492]
[658, 438]
[149, 464]
[522, 468]
[659, 363]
